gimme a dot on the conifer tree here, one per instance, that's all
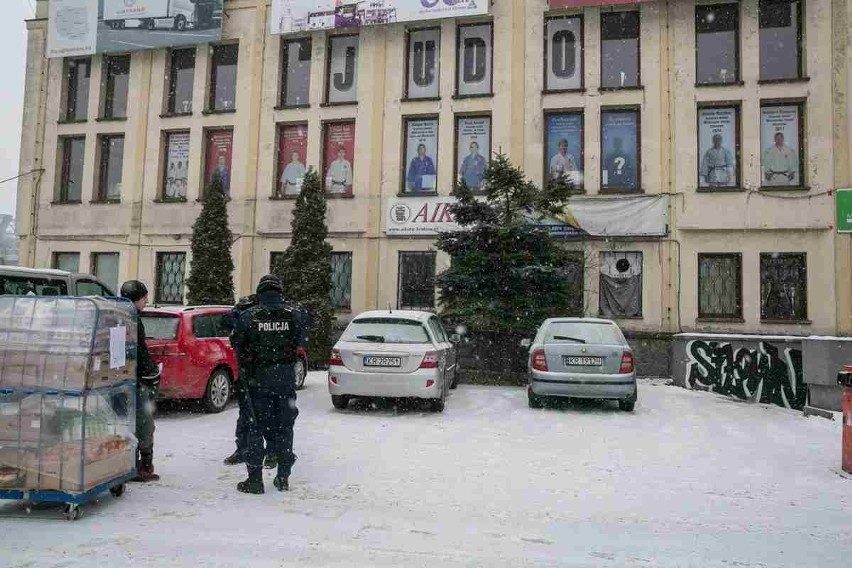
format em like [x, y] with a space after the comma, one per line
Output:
[305, 268]
[211, 275]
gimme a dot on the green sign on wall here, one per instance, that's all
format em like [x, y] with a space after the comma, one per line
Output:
[844, 210]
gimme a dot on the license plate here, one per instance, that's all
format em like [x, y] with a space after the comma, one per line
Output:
[382, 361]
[583, 361]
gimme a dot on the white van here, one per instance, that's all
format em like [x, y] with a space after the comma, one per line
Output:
[18, 281]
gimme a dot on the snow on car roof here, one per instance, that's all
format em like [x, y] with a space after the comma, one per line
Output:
[395, 314]
[34, 271]
[182, 309]
[583, 320]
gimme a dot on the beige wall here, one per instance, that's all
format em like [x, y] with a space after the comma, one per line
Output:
[748, 221]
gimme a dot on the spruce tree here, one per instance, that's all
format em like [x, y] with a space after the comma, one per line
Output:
[507, 272]
[305, 267]
[211, 279]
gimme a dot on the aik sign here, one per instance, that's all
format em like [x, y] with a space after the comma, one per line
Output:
[420, 217]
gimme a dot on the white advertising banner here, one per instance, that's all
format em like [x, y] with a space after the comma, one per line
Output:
[293, 16]
[423, 216]
[72, 28]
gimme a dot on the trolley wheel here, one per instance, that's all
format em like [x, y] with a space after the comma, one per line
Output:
[72, 511]
[117, 491]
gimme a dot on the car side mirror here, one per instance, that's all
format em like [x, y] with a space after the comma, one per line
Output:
[526, 343]
[455, 338]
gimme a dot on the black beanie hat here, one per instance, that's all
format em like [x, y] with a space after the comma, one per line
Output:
[133, 290]
[270, 283]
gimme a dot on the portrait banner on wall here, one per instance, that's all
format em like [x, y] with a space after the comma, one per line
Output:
[564, 53]
[780, 156]
[84, 27]
[292, 159]
[424, 63]
[342, 80]
[717, 147]
[564, 148]
[294, 16]
[473, 149]
[421, 155]
[218, 157]
[620, 149]
[338, 156]
[177, 165]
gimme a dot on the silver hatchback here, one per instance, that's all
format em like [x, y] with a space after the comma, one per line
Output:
[581, 358]
[394, 354]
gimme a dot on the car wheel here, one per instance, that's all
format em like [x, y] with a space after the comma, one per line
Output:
[437, 404]
[627, 405]
[151, 25]
[301, 372]
[534, 400]
[180, 23]
[218, 391]
[339, 401]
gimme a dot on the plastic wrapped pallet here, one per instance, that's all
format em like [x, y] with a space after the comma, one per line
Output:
[69, 344]
[66, 441]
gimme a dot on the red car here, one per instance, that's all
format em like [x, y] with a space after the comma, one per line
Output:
[198, 360]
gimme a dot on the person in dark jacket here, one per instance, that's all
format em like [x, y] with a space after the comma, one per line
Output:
[267, 338]
[147, 386]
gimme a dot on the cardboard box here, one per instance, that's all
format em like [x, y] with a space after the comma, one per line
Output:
[64, 475]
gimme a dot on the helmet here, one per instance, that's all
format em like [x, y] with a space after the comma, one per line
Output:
[270, 283]
[133, 290]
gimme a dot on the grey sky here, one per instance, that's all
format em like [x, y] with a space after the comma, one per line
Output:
[13, 45]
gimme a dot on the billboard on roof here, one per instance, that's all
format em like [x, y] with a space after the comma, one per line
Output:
[294, 16]
[84, 27]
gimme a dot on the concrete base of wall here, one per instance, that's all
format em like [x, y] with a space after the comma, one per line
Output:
[826, 397]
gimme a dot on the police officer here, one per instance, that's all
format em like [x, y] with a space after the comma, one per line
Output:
[241, 433]
[267, 337]
[147, 386]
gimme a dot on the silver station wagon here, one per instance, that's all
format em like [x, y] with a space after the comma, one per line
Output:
[399, 354]
[581, 358]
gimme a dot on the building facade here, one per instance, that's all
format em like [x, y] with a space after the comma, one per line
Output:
[730, 120]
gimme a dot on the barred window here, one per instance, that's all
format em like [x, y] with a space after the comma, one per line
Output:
[416, 277]
[341, 280]
[783, 286]
[720, 286]
[170, 275]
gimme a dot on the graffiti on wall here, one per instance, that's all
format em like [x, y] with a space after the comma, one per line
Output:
[763, 374]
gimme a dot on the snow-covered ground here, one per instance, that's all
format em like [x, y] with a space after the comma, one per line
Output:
[689, 479]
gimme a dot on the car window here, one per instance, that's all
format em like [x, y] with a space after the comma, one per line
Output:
[438, 330]
[584, 332]
[28, 285]
[386, 330]
[160, 327]
[91, 288]
[203, 327]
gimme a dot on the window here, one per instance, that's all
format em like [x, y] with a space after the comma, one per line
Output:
[717, 44]
[218, 152]
[720, 286]
[23, 285]
[105, 267]
[341, 280]
[474, 60]
[563, 53]
[160, 327]
[111, 150]
[782, 150]
[423, 64]
[116, 84]
[473, 150]
[416, 281]
[170, 274]
[338, 154]
[176, 166]
[296, 72]
[341, 82]
[783, 286]
[209, 326]
[420, 155]
[292, 159]
[563, 140]
[621, 285]
[181, 79]
[67, 261]
[620, 167]
[91, 288]
[77, 72]
[223, 78]
[620, 50]
[71, 169]
[780, 39]
[274, 258]
[718, 147]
